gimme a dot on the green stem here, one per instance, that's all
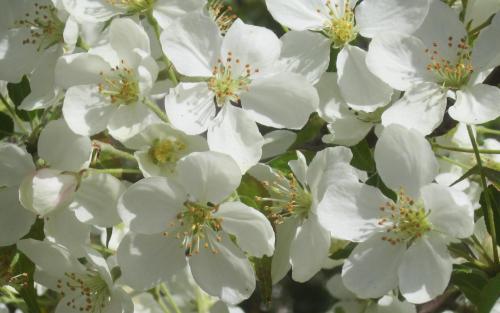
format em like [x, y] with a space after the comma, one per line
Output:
[480, 27]
[489, 208]
[169, 298]
[160, 300]
[466, 150]
[455, 162]
[156, 27]
[114, 171]
[82, 44]
[485, 130]
[483, 251]
[156, 109]
[112, 150]
[14, 115]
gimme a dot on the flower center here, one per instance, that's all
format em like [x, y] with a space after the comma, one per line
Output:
[229, 81]
[46, 29]
[288, 198]
[120, 85]
[454, 73]
[341, 29]
[222, 15]
[194, 225]
[90, 291]
[133, 6]
[167, 151]
[404, 221]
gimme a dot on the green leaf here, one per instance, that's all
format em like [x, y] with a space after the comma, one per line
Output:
[109, 233]
[492, 174]
[263, 274]
[249, 188]
[344, 252]
[470, 281]
[376, 181]
[362, 157]
[476, 170]
[19, 91]
[489, 295]
[310, 132]
[6, 125]
[494, 195]
[281, 162]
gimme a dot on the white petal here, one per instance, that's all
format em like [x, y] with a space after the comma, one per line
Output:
[421, 108]
[485, 54]
[298, 14]
[330, 99]
[147, 260]
[16, 59]
[63, 228]
[372, 268]
[90, 11]
[79, 69]
[49, 257]
[47, 190]
[391, 304]
[309, 249]
[15, 164]
[399, 60]
[166, 11]
[425, 270]
[405, 159]
[130, 119]
[298, 57]
[277, 142]
[125, 36]
[192, 43]
[359, 87]
[450, 210]
[350, 210]
[149, 205]
[62, 148]
[285, 233]
[348, 130]
[254, 234]
[85, 110]
[209, 176]
[476, 104]
[16, 221]
[190, 107]
[236, 135]
[284, 100]
[336, 288]
[96, 200]
[377, 16]
[254, 45]
[226, 274]
[299, 168]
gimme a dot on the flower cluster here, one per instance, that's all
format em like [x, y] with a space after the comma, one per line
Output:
[170, 156]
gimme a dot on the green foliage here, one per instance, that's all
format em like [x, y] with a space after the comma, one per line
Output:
[489, 295]
[494, 195]
[470, 281]
[6, 125]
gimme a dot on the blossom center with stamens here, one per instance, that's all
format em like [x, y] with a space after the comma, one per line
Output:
[46, 29]
[133, 6]
[404, 221]
[341, 29]
[91, 293]
[451, 73]
[167, 150]
[120, 85]
[229, 80]
[195, 226]
[288, 198]
[222, 15]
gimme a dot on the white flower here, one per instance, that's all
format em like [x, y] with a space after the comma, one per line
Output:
[189, 219]
[161, 146]
[404, 242]
[88, 287]
[301, 242]
[164, 11]
[429, 64]
[340, 22]
[240, 74]
[108, 85]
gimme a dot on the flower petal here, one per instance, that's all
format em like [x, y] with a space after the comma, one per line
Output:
[63, 228]
[476, 104]
[284, 100]
[16, 221]
[298, 14]
[90, 11]
[15, 164]
[79, 69]
[425, 270]
[404, 159]
[130, 119]
[167, 11]
[209, 176]
[163, 198]
[254, 234]
[285, 233]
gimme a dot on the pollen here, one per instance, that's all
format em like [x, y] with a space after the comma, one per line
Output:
[403, 221]
[87, 292]
[120, 84]
[229, 79]
[46, 29]
[341, 29]
[452, 73]
[167, 150]
[222, 15]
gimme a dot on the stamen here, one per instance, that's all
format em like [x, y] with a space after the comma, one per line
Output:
[341, 29]
[120, 85]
